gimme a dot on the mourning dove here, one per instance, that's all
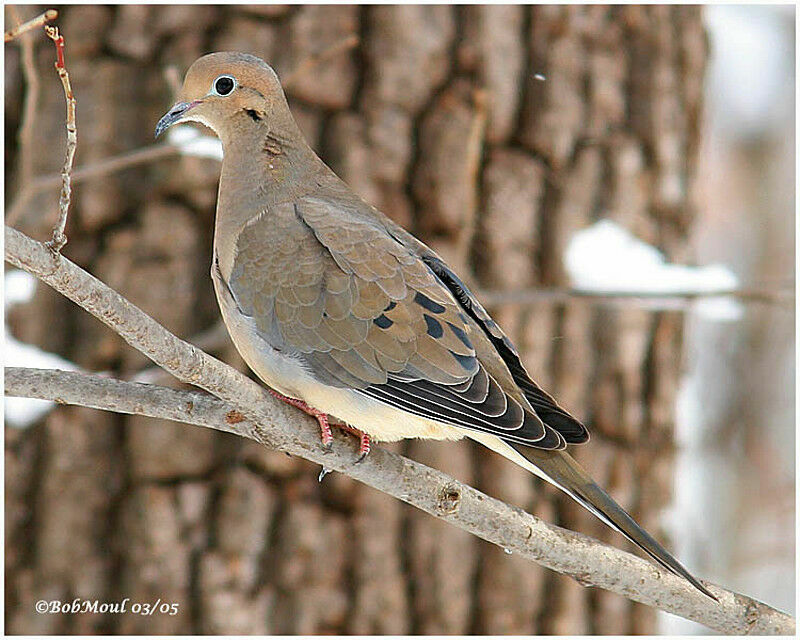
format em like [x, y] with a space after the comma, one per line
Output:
[344, 313]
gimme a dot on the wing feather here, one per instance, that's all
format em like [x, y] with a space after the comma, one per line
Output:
[329, 284]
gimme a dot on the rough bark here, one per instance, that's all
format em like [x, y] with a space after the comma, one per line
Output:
[436, 118]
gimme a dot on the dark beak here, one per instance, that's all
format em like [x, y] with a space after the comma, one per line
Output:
[174, 115]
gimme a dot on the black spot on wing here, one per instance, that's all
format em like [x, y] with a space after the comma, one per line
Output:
[458, 332]
[468, 363]
[383, 322]
[390, 306]
[424, 301]
[434, 329]
[572, 431]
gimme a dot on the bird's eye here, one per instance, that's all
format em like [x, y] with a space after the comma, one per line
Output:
[224, 85]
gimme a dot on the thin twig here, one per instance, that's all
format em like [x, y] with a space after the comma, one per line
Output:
[151, 152]
[112, 165]
[33, 23]
[91, 171]
[675, 300]
[248, 406]
[29, 107]
[59, 239]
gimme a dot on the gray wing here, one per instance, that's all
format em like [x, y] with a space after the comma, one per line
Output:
[331, 286]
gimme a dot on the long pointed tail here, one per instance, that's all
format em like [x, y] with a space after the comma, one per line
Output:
[562, 470]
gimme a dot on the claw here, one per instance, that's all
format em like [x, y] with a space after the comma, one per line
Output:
[364, 444]
[322, 418]
[326, 436]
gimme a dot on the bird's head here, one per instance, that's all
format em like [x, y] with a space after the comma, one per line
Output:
[223, 90]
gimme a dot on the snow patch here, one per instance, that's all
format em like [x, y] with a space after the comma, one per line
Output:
[191, 142]
[19, 287]
[607, 257]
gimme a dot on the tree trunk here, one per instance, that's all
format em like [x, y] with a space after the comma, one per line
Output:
[437, 118]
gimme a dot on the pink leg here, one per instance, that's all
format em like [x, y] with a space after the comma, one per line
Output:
[322, 418]
[364, 444]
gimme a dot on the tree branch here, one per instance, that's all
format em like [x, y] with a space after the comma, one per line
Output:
[585, 559]
[33, 23]
[248, 410]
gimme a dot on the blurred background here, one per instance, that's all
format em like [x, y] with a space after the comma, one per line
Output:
[736, 411]
[539, 150]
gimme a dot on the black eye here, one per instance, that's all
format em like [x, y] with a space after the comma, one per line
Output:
[224, 85]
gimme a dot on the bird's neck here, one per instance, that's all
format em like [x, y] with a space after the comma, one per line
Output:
[266, 164]
[263, 166]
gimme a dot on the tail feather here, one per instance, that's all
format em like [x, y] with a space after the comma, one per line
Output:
[570, 477]
[561, 470]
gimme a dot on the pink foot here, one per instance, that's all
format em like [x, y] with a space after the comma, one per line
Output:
[322, 418]
[364, 444]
